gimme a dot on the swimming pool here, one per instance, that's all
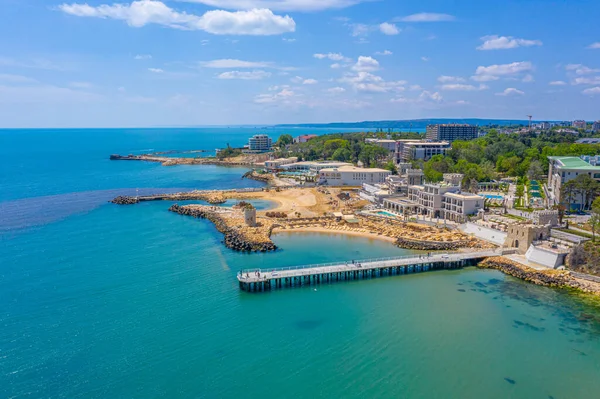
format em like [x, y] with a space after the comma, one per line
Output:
[384, 213]
[492, 196]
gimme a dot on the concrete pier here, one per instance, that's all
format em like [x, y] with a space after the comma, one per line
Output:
[257, 280]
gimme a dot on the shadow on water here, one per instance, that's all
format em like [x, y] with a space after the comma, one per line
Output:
[577, 314]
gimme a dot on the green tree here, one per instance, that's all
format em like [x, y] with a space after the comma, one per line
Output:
[284, 140]
[342, 155]
[594, 220]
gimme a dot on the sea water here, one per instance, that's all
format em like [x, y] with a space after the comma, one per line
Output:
[106, 301]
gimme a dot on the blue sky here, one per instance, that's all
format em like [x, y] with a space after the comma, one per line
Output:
[201, 62]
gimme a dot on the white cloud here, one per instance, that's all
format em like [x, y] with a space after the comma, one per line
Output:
[245, 75]
[427, 17]
[6, 77]
[511, 91]
[367, 64]
[450, 79]
[384, 52]
[594, 46]
[505, 69]
[462, 87]
[156, 70]
[81, 85]
[594, 80]
[389, 29]
[335, 66]
[426, 59]
[204, 42]
[495, 42]
[426, 95]
[336, 90]
[282, 96]
[143, 57]
[484, 78]
[367, 82]
[360, 29]
[557, 83]
[494, 72]
[231, 63]
[143, 12]
[309, 82]
[287, 40]
[527, 78]
[415, 88]
[279, 5]
[331, 56]
[581, 69]
[592, 91]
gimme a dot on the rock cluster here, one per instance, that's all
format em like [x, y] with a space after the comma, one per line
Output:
[276, 215]
[265, 177]
[548, 278]
[125, 200]
[237, 236]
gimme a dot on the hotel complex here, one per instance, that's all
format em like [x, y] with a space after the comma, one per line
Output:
[257, 144]
[451, 132]
[563, 169]
[437, 200]
[352, 176]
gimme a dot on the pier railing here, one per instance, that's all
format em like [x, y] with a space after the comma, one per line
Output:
[363, 261]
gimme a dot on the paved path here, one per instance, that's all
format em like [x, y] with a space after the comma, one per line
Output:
[256, 276]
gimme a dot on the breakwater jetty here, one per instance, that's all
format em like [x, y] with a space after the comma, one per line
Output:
[256, 280]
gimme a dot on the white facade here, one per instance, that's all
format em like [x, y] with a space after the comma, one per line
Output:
[458, 206]
[313, 166]
[563, 169]
[278, 163]
[259, 143]
[579, 124]
[596, 126]
[304, 138]
[424, 150]
[352, 176]
[389, 145]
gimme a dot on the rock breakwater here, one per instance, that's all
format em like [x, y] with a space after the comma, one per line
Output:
[238, 236]
[547, 278]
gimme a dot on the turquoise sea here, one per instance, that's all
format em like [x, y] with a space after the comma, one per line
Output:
[106, 301]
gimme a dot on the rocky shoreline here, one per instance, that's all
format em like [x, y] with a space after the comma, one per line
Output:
[547, 278]
[264, 178]
[171, 161]
[237, 236]
[212, 197]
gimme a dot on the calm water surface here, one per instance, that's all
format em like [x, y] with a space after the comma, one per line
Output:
[103, 301]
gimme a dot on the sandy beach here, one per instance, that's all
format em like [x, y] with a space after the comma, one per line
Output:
[322, 230]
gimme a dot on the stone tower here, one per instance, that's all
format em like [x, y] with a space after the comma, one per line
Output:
[250, 216]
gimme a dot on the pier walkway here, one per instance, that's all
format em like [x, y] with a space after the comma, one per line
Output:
[265, 280]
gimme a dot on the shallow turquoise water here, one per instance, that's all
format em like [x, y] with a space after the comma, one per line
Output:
[134, 301]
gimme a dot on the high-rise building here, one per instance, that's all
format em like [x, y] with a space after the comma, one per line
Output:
[596, 127]
[259, 143]
[579, 124]
[451, 132]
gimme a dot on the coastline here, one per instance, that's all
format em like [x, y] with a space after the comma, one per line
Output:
[322, 230]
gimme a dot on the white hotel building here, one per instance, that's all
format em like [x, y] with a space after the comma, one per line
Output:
[352, 176]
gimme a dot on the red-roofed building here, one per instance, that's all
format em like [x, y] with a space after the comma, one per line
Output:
[304, 138]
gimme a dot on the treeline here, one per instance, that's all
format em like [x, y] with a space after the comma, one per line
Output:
[343, 147]
[516, 155]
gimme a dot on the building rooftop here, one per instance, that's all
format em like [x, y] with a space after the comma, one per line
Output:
[431, 143]
[574, 163]
[464, 196]
[354, 169]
